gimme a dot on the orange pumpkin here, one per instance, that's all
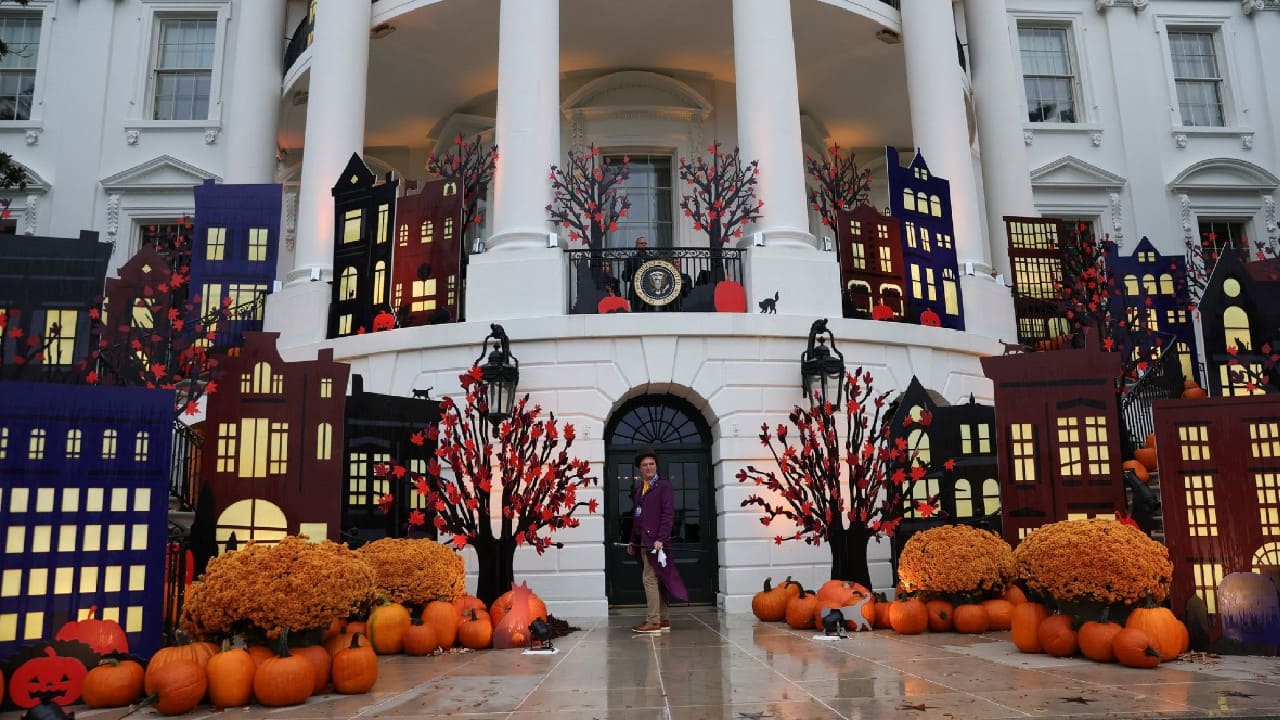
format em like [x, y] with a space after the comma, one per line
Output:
[113, 683]
[972, 619]
[770, 604]
[1096, 640]
[1025, 623]
[908, 616]
[335, 628]
[355, 667]
[940, 615]
[1166, 632]
[357, 626]
[999, 612]
[842, 592]
[283, 680]
[1058, 636]
[443, 618]
[1014, 595]
[179, 685]
[197, 652]
[259, 653]
[1146, 456]
[386, 625]
[338, 642]
[882, 616]
[476, 632]
[1194, 393]
[469, 602]
[230, 677]
[420, 638]
[800, 610]
[321, 663]
[1151, 437]
[1133, 648]
[1138, 469]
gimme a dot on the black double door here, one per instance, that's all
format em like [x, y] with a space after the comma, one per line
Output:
[693, 533]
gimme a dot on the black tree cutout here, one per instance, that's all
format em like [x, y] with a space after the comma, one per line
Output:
[588, 201]
[723, 197]
[838, 185]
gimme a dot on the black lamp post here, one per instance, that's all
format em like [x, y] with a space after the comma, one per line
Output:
[821, 372]
[500, 375]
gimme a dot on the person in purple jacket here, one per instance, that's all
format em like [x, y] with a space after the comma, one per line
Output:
[654, 502]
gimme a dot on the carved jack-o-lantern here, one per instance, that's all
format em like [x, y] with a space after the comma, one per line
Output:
[882, 312]
[929, 318]
[53, 678]
[384, 321]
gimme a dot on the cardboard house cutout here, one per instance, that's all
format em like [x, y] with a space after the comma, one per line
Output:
[1057, 436]
[1147, 282]
[1240, 309]
[922, 201]
[273, 450]
[427, 270]
[364, 216]
[1035, 257]
[871, 264]
[84, 480]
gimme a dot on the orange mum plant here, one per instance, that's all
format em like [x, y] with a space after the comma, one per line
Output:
[415, 572]
[956, 562]
[1096, 560]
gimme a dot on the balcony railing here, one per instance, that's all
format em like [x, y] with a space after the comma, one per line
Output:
[231, 324]
[1162, 380]
[184, 466]
[599, 275]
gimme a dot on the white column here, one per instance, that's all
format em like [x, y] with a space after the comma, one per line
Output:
[254, 91]
[518, 275]
[806, 281]
[527, 126]
[335, 126]
[1005, 180]
[935, 89]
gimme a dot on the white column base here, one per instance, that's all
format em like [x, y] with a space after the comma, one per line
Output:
[988, 308]
[516, 283]
[308, 274]
[299, 312]
[807, 281]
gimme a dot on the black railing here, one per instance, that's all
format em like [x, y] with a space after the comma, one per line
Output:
[177, 564]
[1162, 380]
[597, 275]
[184, 466]
[230, 325]
[1038, 318]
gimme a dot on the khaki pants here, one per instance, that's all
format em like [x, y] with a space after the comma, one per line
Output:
[655, 600]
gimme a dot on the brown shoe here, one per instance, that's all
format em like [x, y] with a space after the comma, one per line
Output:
[647, 628]
[666, 625]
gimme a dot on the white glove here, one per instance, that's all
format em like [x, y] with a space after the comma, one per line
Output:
[662, 558]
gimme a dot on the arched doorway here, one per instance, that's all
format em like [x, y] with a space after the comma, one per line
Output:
[682, 439]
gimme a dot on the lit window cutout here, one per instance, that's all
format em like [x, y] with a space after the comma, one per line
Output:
[18, 499]
[89, 579]
[44, 499]
[1202, 515]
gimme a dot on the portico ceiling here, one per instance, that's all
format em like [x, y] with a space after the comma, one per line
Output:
[442, 59]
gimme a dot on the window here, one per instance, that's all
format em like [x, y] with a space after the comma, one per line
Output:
[1235, 328]
[215, 244]
[402, 238]
[351, 225]
[886, 259]
[1265, 437]
[428, 231]
[21, 33]
[935, 206]
[183, 67]
[227, 447]
[648, 186]
[1048, 75]
[73, 444]
[258, 244]
[911, 234]
[1088, 455]
[347, 284]
[921, 173]
[858, 255]
[109, 439]
[424, 292]
[855, 227]
[860, 295]
[990, 496]
[4, 443]
[324, 441]
[344, 324]
[1022, 448]
[35, 444]
[1221, 234]
[253, 447]
[1202, 515]
[380, 282]
[975, 439]
[1196, 77]
[1268, 485]
[278, 460]
[141, 446]
[1208, 578]
[908, 199]
[384, 221]
[964, 498]
[326, 387]
[60, 334]
[1194, 440]
[448, 229]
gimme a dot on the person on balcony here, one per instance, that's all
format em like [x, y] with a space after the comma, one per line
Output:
[629, 268]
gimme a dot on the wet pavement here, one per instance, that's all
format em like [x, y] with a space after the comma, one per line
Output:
[714, 665]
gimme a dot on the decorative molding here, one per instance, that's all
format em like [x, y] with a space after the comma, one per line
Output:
[1224, 174]
[1095, 137]
[1269, 219]
[1246, 141]
[1072, 172]
[131, 136]
[675, 101]
[210, 136]
[32, 215]
[1180, 140]
[1249, 7]
[291, 219]
[160, 173]
[35, 183]
[113, 216]
[1104, 5]
[1188, 227]
[33, 136]
[1117, 218]
[1028, 137]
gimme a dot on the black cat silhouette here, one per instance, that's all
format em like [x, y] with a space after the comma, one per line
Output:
[769, 305]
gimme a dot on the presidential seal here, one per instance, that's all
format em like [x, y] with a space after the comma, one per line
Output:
[658, 282]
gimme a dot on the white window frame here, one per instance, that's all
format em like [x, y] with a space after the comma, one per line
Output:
[1074, 23]
[1233, 112]
[47, 10]
[152, 11]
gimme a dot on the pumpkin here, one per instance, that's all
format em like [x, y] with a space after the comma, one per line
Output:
[971, 618]
[106, 637]
[1057, 636]
[230, 677]
[476, 632]
[387, 624]
[999, 612]
[882, 616]
[114, 683]
[770, 604]
[49, 677]
[908, 616]
[1133, 648]
[1166, 632]
[443, 618]
[179, 685]
[338, 642]
[1146, 456]
[284, 679]
[355, 667]
[321, 664]
[1096, 640]
[842, 592]
[260, 653]
[940, 619]
[197, 652]
[357, 626]
[1138, 469]
[1194, 393]
[469, 602]
[502, 606]
[1151, 437]
[335, 628]
[1014, 595]
[1025, 623]
[420, 638]
[800, 610]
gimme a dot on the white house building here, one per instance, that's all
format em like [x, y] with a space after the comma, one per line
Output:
[1142, 117]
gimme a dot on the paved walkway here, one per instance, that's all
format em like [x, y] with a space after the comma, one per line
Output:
[714, 665]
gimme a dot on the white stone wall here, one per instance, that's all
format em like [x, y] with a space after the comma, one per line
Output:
[738, 370]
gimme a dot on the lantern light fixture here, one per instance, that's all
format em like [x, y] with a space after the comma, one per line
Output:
[500, 374]
[822, 367]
